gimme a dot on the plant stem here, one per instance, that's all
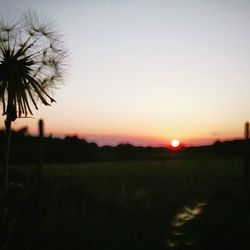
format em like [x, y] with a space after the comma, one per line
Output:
[41, 148]
[6, 154]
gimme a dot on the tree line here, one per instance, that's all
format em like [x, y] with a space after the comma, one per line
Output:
[26, 148]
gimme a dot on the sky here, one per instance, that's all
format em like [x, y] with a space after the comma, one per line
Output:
[147, 71]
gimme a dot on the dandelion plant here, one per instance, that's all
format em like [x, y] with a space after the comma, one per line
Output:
[31, 63]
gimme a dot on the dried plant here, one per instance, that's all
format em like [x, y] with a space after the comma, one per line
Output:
[31, 63]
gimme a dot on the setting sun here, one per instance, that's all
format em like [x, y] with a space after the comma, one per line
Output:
[175, 143]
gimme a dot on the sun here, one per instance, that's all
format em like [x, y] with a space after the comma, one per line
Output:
[175, 143]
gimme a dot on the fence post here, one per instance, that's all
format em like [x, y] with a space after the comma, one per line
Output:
[246, 160]
[40, 148]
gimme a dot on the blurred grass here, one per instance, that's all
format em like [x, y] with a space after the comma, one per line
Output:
[130, 205]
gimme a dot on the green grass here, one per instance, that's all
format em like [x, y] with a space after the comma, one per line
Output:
[130, 205]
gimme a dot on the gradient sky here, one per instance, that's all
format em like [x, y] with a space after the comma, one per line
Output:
[148, 71]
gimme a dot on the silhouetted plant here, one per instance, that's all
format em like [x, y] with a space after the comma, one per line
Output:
[31, 63]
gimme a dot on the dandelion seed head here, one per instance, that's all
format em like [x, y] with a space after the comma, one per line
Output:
[31, 63]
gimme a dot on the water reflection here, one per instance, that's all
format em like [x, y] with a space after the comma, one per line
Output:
[179, 231]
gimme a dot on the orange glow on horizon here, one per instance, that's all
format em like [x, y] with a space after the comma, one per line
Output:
[150, 136]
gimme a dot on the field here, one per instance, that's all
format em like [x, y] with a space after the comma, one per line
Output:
[180, 203]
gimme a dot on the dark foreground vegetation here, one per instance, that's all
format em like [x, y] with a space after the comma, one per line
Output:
[179, 203]
[126, 197]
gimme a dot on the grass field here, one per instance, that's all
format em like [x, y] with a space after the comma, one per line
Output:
[182, 203]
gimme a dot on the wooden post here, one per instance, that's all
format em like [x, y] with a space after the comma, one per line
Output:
[247, 131]
[246, 160]
[41, 148]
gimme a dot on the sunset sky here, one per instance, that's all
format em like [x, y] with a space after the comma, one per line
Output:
[148, 71]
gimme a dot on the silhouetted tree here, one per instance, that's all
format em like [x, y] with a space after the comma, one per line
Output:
[31, 62]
